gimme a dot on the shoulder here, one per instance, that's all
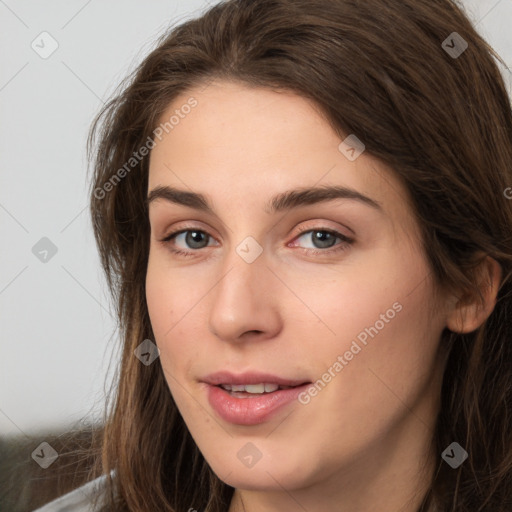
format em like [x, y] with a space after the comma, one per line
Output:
[78, 500]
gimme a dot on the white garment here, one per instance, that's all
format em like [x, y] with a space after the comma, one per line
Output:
[78, 500]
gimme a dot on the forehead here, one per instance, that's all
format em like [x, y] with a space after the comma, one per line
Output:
[243, 144]
[228, 112]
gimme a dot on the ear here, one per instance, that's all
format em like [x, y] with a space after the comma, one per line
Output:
[470, 312]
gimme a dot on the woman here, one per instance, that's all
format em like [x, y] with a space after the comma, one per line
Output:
[302, 212]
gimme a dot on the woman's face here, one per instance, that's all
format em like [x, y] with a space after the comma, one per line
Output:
[330, 289]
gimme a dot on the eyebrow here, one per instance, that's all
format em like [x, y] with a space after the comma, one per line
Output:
[284, 201]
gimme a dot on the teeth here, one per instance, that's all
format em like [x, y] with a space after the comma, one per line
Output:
[253, 388]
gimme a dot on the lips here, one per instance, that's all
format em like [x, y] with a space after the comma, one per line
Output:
[262, 396]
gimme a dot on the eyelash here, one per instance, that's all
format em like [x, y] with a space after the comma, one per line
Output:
[346, 242]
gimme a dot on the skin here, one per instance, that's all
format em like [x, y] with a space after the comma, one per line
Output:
[362, 443]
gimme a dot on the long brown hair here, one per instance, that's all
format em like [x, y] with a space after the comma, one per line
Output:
[442, 121]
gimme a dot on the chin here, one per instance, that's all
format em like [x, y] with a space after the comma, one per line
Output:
[263, 476]
[257, 480]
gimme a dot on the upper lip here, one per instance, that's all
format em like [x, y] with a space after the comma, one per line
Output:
[225, 377]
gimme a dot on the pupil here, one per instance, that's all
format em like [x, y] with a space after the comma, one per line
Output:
[194, 237]
[322, 237]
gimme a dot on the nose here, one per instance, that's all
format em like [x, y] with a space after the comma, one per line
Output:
[246, 301]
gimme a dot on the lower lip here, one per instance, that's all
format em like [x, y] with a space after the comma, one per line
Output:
[250, 411]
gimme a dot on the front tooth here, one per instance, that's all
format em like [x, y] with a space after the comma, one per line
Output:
[254, 388]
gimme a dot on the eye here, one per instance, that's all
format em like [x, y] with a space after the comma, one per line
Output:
[323, 239]
[193, 238]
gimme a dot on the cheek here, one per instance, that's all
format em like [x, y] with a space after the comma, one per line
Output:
[176, 300]
[385, 367]
[375, 316]
[357, 301]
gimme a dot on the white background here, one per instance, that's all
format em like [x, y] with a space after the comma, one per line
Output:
[56, 327]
